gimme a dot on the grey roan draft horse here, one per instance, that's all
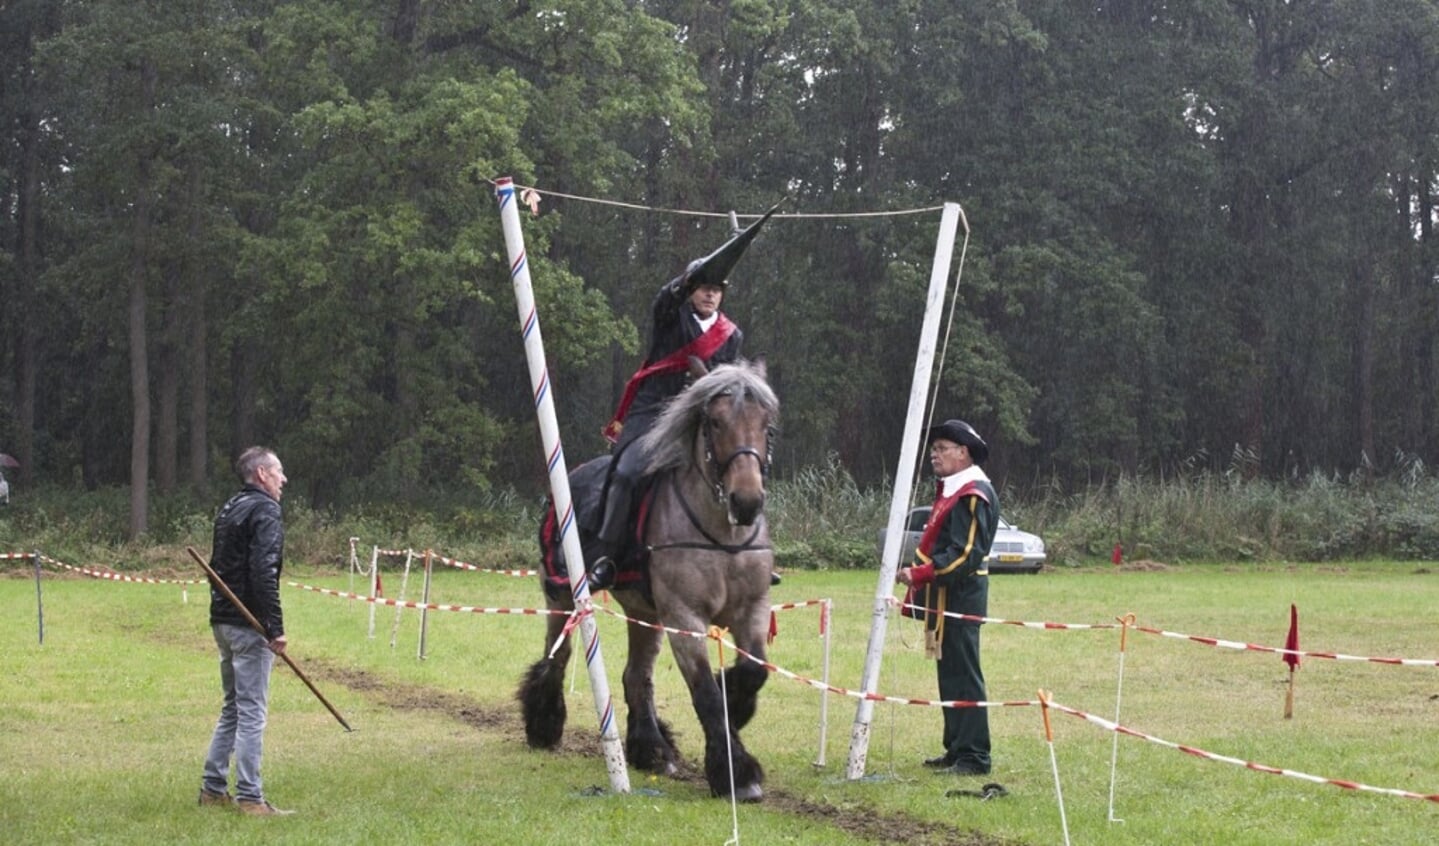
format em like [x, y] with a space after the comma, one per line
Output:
[709, 564]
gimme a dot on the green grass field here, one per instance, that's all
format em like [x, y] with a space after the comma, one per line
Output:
[103, 727]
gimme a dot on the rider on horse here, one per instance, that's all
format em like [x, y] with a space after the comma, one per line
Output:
[686, 323]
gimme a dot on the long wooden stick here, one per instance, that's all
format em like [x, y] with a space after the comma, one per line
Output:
[235, 600]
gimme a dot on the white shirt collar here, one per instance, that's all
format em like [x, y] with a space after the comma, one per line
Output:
[706, 323]
[972, 473]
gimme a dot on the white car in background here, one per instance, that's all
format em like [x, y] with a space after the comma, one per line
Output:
[1014, 551]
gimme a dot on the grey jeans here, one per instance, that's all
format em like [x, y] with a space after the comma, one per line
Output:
[245, 663]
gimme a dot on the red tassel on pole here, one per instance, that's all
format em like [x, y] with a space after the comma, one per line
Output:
[1291, 642]
[1291, 657]
[773, 627]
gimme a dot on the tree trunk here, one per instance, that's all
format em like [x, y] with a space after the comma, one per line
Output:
[199, 413]
[139, 355]
[27, 283]
[167, 388]
[1427, 271]
[193, 354]
[1364, 365]
[139, 371]
[242, 367]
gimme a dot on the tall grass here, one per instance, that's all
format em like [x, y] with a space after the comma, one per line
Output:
[104, 726]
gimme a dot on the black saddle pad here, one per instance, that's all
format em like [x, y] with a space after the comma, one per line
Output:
[587, 490]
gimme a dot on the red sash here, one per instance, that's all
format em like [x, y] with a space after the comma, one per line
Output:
[940, 511]
[912, 606]
[703, 348]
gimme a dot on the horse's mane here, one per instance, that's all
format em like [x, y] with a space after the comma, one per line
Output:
[670, 441]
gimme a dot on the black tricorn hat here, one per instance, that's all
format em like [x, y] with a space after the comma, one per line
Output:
[714, 268]
[960, 432]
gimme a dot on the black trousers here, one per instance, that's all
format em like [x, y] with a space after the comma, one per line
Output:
[626, 470]
[966, 730]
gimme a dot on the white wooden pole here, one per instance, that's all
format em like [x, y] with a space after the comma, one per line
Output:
[826, 610]
[425, 602]
[354, 564]
[559, 481]
[374, 587]
[903, 483]
[400, 602]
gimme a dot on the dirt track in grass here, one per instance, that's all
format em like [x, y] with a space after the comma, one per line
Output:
[862, 822]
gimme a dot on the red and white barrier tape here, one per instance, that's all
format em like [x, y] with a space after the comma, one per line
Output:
[461, 565]
[113, 576]
[467, 609]
[1251, 647]
[819, 685]
[787, 606]
[1000, 621]
[1109, 725]
[824, 605]
[464, 566]
[1207, 641]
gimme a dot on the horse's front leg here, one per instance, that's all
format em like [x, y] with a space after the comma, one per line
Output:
[724, 752]
[743, 680]
[649, 743]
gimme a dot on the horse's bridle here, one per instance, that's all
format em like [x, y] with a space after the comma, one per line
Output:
[716, 469]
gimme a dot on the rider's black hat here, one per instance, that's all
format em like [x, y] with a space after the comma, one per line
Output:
[960, 432]
[714, 268]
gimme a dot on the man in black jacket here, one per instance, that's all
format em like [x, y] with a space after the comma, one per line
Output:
[248, 554]
[950, 576]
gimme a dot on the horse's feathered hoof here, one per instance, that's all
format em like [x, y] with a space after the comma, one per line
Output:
[749, 793]
[542, 699]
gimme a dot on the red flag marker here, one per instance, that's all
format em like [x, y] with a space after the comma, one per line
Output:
[1291, 657]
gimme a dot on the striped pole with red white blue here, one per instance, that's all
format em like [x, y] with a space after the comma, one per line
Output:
[560, 480]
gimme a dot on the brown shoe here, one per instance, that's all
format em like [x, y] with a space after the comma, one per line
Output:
[262, 808]
[208, 798]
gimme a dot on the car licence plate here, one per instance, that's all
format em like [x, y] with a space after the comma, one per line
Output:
[1011, 557]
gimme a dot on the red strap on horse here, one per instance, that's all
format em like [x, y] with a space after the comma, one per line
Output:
[703, 348]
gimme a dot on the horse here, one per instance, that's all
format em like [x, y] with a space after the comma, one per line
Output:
[709, 564]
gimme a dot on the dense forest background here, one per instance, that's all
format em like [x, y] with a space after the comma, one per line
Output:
[1202, 232]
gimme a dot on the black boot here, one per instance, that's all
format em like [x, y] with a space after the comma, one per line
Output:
[602, 574]
[774, 578]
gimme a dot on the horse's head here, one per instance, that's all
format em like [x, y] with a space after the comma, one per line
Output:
[724, 424]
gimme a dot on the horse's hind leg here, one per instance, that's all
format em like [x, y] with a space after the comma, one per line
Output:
[724, 752]
[649, 743]
[542, 690]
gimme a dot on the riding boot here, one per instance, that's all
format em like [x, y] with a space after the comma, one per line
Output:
[602, 574]
[605, 567]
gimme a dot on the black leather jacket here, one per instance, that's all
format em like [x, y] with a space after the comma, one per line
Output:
[248, 555]
[673, 326]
